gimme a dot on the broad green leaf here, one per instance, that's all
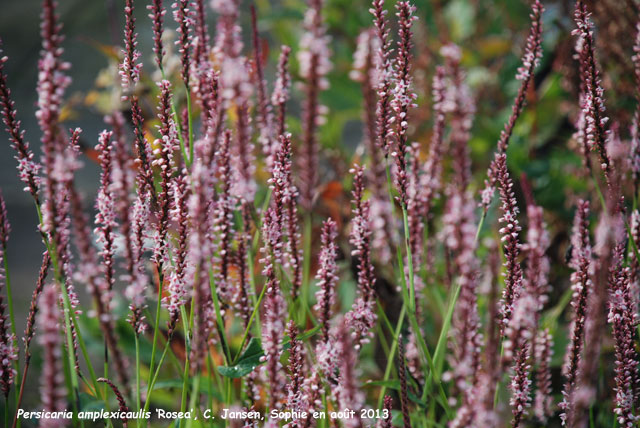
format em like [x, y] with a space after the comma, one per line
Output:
[90, 403]
[249, 360]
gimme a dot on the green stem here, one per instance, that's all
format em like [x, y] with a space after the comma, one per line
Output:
[254, 314]
[155, 377]
[137, 341]
[219, 321]
[195, 391]
[156, 323]
[187, 341]
[442, 342]
[391, 356]
[85, 355]
[480, 224]
[306, 258]
[407, 243]
[190, 126]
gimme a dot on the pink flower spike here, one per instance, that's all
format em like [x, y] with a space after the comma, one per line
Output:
[327, 276]
[592, 98]
[274, 308]
[223, 221]
[385, 77]
[314, 59]
[130, 67]
[362, 316]
[281, 89]
[510, 238]
[8, 348]
[27, 168]
[182, 16]
[295, 398]
[530, 59]
[106, 216]
[543, 399]
[156, 13]
[581, 284]
[403, 96]
[52, 386]
[624, 321]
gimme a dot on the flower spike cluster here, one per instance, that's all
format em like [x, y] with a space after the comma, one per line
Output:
[313, 57]
[177, 288]
[403, 96]
[30, 329]
[106, 217]
[459, 232]
[581, 284]
[346, 393]
[404, 392]
[362, 317]
[385, 77]
[461, 105]
[52, 387]
[223, 220]
[157, 13]
[285, 196]
[8, 348]
[295, 396]
[268, 136]
[182, 16]
[327, 276]
[281, 89]
[130, 67]
[530, 60]
[200, 38]
[274, 310]
[135, 292]
[163, 154]
[592, 99]
[189, 229]
[510, 238]
[543, 400]
[28, 168]
[430, 182]
[624, 321]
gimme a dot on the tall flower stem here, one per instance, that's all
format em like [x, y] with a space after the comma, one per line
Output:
[219, 320]
[245, 335]
[412, 286]
[392, 353]
[156, 324]
[187, 328]
[137, 342]
[190, 144]
[13, 321]
[195, 390]
[306, 258]
[409, 301]
[155, 376]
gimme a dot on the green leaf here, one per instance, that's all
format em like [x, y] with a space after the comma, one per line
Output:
[389, 383]
[90, 403]
[249, 360]
[176, 383]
